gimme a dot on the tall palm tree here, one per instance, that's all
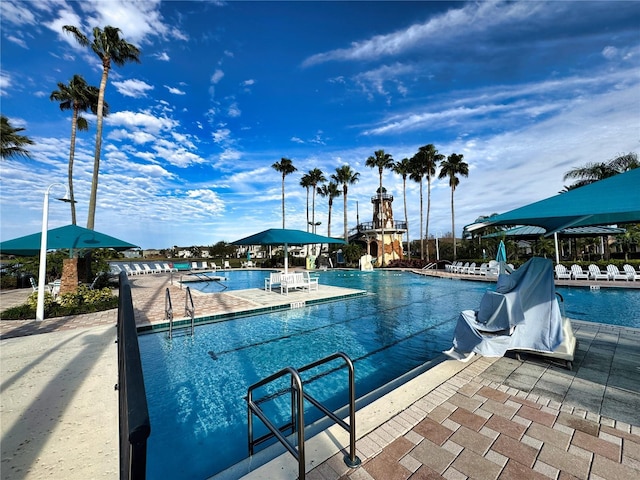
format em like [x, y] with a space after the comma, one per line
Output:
[345, 176]
[316, 177]
[285, 167]
[77, 96]
[592, 172]
[381, 161]
[452, 166]
[306, 183]
[13, 144]
[331, 191]
[417, 174]
[403, 168]
[429, 159]
[109, 47]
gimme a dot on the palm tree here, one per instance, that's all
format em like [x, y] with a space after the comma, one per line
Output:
[306, 183]
[429, 158]
[109, 47]
[592, 172]
[13, 144]
[77, 96]
[452, 166]
[345, 176]
[285, 167]
[329, 190]
[417, 174]
[403, 168]
[315, 178]
[380, 160]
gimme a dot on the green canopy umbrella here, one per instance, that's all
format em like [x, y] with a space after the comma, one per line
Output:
[613, 200]
[285, 237]
[69, 237]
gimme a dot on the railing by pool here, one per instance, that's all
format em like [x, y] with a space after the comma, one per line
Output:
[296, 422]
[134, 423]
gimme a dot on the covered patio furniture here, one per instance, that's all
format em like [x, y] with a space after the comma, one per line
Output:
[522, 314]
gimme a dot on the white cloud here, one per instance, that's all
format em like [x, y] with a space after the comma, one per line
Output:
[163, 56]
[297, 140]
[217, 76]
[452, 24]
[144, 120]
[248, 83]
[133, 88]
[609, 52]
[175, 91]
[17, 41]
[234, 110]
[221, 135]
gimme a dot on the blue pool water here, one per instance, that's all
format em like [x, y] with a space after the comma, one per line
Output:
[231, 280]
[196, 386]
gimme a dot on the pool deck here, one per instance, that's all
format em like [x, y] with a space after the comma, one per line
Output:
[486, 419]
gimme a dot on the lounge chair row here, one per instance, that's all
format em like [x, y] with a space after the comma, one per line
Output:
[594, 273]
[491, 268]
[142, 269]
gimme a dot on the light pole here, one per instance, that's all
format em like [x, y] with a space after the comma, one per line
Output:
[42, 272]
[313, 230]
[439, 234]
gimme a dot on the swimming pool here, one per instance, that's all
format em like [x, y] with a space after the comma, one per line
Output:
[196, 386]
[230, 280]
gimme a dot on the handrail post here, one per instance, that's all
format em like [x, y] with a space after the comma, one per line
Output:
[189, 310]
[168, 311]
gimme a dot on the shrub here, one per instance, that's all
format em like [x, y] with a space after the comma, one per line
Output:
[73, 303]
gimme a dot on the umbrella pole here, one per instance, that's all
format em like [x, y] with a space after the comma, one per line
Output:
[555, 238]
[286, 258]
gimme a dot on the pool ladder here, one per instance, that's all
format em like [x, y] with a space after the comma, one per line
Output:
[189, 310]
[296, 423]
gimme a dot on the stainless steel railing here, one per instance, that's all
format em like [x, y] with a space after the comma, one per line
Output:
[296, 423]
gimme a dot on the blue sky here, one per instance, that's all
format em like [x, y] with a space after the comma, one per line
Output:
[524, 90]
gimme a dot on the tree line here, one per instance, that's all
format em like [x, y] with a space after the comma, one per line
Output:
[421, 166]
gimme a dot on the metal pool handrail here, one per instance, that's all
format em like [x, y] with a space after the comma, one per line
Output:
[168, 311]
[297, 413]
[189, 309]
[134, 424]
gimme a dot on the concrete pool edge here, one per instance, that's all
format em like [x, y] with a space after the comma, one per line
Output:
[330, 441]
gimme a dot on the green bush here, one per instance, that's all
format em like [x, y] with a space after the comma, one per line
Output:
[73, 303]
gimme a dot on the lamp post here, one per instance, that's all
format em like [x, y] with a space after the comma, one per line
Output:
[313, 230]
[42, 272]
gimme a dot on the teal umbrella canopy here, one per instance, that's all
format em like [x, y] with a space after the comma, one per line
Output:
[71, 237]
[614, 200]
[501, 257]
[285, 237]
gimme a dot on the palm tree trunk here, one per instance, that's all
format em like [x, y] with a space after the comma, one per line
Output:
[307, 209]
[96, 161]
[453, 226]
[329, 218]
[381, 217]
[344, 193]
[428, 212]
[72, 150]
[283, 201]
[421, 224]
[406, 220]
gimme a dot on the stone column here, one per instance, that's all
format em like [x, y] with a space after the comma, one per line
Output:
[69, 279]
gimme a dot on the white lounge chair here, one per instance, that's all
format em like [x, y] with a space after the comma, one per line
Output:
[194, 266]
[631, 273]
[226, 264]
[169, 268]
[129, 270]
[483, 269]
[578, 274]
[205, 266]
[615, 274]
[214, 266]
[55, 288]
[596, 274]
[158, 268]
[147, 269]
[138, 269]
[562, 273]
